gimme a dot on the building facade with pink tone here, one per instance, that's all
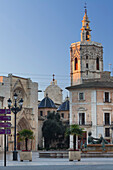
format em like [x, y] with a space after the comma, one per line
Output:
[91, 90]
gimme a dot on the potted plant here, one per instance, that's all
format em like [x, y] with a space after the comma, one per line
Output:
[74, 130]
[25, 135]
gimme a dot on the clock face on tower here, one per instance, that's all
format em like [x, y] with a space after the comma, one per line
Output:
[19, 93]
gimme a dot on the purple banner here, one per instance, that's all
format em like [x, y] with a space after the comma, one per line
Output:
[5, 118]
[5, 124]
[5, 111]
[5, 131]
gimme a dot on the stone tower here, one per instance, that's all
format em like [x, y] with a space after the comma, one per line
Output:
[86, 56]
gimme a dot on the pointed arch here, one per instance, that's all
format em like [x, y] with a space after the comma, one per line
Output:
[23, 124]
[76, 63]
[97, 63]
[18, 85]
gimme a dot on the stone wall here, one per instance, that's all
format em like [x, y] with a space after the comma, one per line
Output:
[28, 116]
[86, 53]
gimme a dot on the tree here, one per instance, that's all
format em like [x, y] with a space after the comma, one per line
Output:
[24, 135]
[52, 129]
[74, 130]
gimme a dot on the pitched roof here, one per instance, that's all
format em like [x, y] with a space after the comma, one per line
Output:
[93, 84]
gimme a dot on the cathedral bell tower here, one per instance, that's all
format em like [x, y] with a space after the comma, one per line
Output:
[86, 56]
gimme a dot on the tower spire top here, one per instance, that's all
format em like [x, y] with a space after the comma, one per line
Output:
[85, 30]
[53, 77]
[85, 7]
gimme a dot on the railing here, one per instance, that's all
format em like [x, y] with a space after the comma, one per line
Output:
[106, 123]
[107, 101]
[107, 135]
[89, 123]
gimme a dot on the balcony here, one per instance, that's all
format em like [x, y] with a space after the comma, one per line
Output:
[84, 124]
[106, 123]
[107, 100]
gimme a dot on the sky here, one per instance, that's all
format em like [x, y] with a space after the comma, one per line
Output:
[35, 37]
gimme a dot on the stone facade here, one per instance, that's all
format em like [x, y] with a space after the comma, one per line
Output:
[94, 108]
[64, 115]
[27, 118]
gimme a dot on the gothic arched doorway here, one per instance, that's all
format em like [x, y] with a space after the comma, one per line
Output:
[22, 124]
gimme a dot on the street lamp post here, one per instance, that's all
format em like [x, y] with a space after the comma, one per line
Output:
[15, 109]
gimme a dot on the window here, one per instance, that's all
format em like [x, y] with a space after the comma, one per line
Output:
[87, 35]
[107, 132]
[86, 65]
[86, 57]
[81, 118]
[86, 72]
[48, 113]
[87, 25]
[76, 63]
[97, 63]
[81, 96]
[41, 113]
[62, 115]
[107, 118]
[106, 97]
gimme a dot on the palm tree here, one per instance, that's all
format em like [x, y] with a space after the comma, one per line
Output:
[74, 130]
[24, 135]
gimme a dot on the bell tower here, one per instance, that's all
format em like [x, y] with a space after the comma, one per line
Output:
[86, 56]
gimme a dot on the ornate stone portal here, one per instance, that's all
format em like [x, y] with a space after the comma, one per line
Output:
[27, 118]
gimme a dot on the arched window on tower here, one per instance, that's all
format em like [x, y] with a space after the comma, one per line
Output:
[87, 35]
[76, 63]
[97, 63]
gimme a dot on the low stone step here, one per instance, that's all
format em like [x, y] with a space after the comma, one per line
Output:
[83, 155]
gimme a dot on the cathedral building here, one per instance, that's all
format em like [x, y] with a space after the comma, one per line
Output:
[27, 118]
[91, 90]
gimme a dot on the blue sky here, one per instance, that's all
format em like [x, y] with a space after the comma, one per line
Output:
[35, 36]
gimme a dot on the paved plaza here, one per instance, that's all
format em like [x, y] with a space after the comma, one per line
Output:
[56, 163]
